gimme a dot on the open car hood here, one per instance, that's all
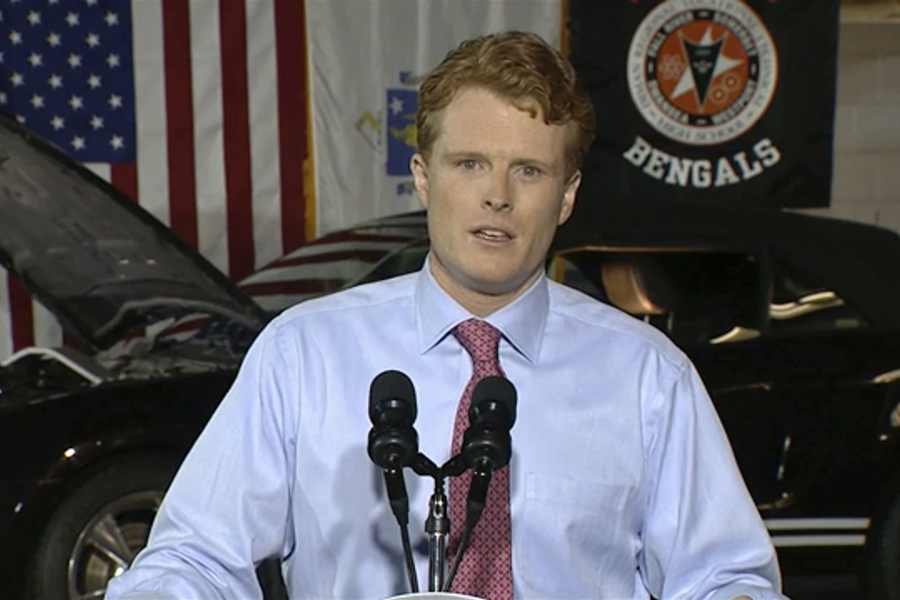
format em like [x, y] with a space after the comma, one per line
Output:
[98, 261]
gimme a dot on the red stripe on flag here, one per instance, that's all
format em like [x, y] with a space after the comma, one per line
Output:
[123, 177]
[236, 136]
[179, 120]
[183, 326]
[290, 49]
[21, 318]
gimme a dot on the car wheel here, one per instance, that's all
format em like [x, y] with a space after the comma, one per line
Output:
[884, 552]
[95, 533]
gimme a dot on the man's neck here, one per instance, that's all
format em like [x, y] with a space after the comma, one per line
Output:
[480, 304]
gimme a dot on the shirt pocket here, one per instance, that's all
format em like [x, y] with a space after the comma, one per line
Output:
[577, 538]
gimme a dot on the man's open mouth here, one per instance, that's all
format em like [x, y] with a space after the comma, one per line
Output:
[492, 235]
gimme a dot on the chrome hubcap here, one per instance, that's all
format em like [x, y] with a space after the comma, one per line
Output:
[109, 542]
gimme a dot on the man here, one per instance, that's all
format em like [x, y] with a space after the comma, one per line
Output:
[621, 483]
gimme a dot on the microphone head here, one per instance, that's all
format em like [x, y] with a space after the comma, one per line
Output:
[392, 399]
[393, 442]
[494, 400]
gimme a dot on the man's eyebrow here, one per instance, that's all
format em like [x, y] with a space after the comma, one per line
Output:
[534, 162]
[464, 155]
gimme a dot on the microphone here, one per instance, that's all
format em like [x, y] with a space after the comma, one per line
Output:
[486, 447]
[492, 412]
[394, 444]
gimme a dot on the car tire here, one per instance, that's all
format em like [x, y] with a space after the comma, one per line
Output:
[96, 531]
[884, 551]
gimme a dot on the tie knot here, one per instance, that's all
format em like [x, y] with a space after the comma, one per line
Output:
[479, 338]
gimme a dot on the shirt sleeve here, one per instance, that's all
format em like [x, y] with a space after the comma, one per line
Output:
[702, 537]
[228, 507]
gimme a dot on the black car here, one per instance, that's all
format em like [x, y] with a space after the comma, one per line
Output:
[791, 320]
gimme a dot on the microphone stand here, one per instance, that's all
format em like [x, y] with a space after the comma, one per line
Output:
[437, 525]
[396, 489]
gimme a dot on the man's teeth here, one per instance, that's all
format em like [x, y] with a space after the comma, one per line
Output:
[492, 234]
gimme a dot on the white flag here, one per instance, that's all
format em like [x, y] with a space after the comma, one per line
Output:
[367, 58]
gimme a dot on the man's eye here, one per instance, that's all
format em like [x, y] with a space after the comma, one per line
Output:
[468, 164]
[529, 171]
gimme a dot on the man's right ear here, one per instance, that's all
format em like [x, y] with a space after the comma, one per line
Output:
[419, 168]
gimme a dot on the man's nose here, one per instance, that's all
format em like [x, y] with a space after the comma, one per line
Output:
[498, 194]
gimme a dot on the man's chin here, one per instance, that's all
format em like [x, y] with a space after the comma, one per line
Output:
[497, 287]
[486, 282]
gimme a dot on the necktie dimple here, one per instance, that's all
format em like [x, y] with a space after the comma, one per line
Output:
[485, 569]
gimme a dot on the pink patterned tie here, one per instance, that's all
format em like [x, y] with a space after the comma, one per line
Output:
[485, 569]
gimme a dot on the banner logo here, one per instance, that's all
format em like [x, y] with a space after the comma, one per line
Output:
[702, 72]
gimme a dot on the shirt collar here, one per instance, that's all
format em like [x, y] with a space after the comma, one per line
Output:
[521, 321]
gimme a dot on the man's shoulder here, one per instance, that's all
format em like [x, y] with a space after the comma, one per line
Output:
[589, 316]
[357, 300]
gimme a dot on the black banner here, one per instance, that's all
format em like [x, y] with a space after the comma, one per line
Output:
[714, 100]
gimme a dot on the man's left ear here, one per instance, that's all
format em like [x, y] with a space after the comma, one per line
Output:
[568, 201]
[418, 167]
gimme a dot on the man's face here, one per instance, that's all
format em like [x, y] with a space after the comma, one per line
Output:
[495, 188]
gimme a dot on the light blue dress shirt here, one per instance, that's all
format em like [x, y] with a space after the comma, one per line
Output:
[622, 480]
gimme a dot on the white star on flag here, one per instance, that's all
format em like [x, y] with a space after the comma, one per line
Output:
[71, 38]
[78, 142]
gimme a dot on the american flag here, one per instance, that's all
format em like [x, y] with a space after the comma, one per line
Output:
[196, 109]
